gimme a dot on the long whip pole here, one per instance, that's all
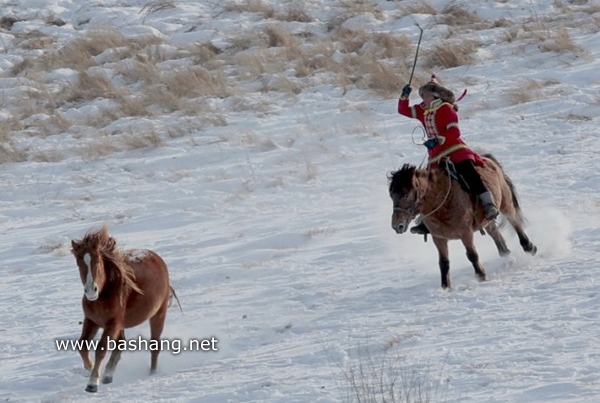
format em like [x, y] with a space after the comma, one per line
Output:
[416, 54]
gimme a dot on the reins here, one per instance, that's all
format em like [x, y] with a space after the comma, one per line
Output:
[447, 168]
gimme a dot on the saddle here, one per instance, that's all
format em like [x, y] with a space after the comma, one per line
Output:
[450, 170]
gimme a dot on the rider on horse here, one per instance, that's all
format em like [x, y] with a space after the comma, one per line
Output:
[438, 115]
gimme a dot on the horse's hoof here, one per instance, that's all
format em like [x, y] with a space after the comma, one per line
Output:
[533, 250]
[107, 379]
[91, 388]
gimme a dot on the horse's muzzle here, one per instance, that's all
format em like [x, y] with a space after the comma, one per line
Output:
[400, 228]
[91, 293]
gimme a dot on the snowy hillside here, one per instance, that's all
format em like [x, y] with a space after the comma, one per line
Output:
[248, 143]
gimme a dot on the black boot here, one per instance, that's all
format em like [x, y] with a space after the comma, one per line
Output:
[419, 229]
[489, 207]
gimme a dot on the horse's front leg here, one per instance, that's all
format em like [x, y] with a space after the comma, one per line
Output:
[88, 331]
[472, 255]
[444, 262]
[115, 356]
[111, 332]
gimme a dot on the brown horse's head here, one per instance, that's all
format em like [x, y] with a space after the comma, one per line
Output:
[405, 196]
[88, 254]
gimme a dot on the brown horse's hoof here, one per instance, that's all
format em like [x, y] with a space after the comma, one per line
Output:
[107, 379]
[91, 388]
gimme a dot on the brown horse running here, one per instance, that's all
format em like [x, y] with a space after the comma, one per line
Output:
[449, 212]
[122, 289]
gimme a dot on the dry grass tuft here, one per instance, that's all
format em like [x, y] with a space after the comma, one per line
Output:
[140, 69]
[133, 139]
[451, 54]
[357, 7]
[91, 86]
[560, 41]
[456, 16]
[9, 152]
[420, 7]
[34, 40]
[392, 46]
[195, 82]
[6, 22]
[251, 6]
[157, 5]
[296, 12]
[278, 36]
[204, 53]
[528, 90]
[101, 146]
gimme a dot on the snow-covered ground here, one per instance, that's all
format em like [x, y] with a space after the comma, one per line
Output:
[276, 225]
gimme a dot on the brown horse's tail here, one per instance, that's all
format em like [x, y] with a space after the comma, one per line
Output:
[511, 186]
[174, 295]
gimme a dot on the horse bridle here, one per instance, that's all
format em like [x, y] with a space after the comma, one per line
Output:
[412, 209]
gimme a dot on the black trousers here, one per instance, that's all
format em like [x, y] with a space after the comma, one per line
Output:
[467, 170]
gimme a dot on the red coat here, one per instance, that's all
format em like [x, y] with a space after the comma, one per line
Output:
[441, 122]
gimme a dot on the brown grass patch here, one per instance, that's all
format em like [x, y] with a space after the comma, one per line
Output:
[134, 139]
[140, 69]
[250, 6]
[78, 55]
[559, 41]
[278, 36]
[158, 5]
[450, 54]
[527, 91]
[34, 40]
[357, 7]
[296, 12]
[420, 7]
[91, 86]
[456, 16]
[196, 81]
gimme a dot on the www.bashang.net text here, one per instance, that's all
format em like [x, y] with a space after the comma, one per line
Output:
[174, 346]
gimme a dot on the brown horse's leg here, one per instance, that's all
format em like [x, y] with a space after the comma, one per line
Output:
[472, 255]
[115, 356]
[157, 323]
[493, 231]
[526, 244]
[88, 332]
[444, 262]
[112, 331]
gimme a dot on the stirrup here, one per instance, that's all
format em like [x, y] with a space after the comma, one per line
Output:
[490, 211]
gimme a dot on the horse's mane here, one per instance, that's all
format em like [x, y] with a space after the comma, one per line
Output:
[107, 247]
[401, 180]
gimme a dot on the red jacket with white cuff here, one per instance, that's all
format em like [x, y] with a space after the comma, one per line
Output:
[440, 121]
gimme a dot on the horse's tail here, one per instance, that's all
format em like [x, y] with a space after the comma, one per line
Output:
[174, 295]
[511, 186]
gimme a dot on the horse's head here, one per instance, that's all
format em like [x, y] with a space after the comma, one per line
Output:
[88, 255]
[405, 196]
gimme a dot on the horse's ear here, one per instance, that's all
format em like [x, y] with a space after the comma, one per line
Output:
[75, 246]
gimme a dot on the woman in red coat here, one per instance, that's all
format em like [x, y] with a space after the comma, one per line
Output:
[438, 115]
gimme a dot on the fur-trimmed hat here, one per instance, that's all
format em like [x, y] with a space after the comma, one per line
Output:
[435, 89]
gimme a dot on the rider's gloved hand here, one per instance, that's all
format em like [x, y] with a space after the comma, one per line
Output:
[406, 91]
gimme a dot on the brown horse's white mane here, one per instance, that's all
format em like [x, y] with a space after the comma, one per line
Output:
[107, 246]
